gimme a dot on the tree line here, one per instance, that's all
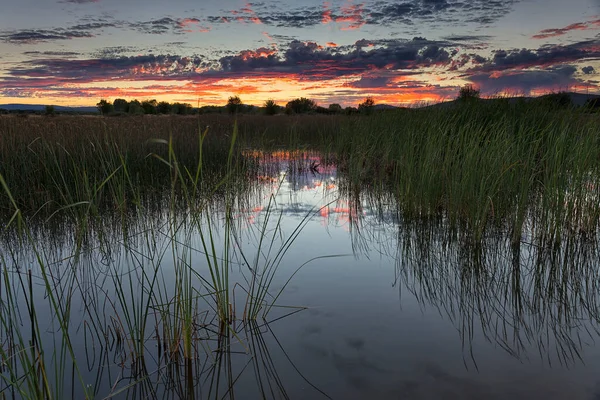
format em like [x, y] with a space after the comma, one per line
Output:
[234, 105]
[136, 107]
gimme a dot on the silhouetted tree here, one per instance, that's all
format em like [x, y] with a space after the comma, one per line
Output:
[335, 108]
[149, 106]
[120, 105]
[50, 111]
[163, 107]
[366, 107]
[104, 107]
[468, 93]
[300, 106]
[234, 104]
[135, 107]
[271, 107]
[350, 110]
[181, 108]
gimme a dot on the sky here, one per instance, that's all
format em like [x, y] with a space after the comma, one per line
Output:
[406, 52]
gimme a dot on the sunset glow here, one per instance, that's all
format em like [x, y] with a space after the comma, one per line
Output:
[75, 52]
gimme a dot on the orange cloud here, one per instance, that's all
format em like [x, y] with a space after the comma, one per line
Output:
[578, 26]
[326, 18]
[352, 15]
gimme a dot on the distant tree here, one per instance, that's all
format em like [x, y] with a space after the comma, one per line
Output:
[50, 111]
[366, 107]
[212, 110]
[350, 110]
[335, 108]
[121, 105]
[149, 106]
[468, 93]
[271, 108]
[135, 107]
[300, 106]
[234, 104]
[104, 107]
[163, 107]
[181, 109]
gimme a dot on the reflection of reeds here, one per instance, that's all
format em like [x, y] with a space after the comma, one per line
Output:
[518, 296]
[124, 302]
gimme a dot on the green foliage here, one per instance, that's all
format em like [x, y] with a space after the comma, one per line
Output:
[105, 107]
[234, 105]
[300, 106]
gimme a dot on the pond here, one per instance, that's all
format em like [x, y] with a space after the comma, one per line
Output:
[300, 287]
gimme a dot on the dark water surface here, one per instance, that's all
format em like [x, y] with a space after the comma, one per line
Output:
[395, 310]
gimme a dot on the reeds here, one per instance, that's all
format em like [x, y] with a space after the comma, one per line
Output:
[123, 231]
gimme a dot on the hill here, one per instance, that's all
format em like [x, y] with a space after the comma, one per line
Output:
[42, 108]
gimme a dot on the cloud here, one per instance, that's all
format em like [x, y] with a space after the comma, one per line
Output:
[467, 38]
[42, 35]
[578, 26]
[164, 25]
[51, 53]
[588, 70]
[350, 15]
[80, 1]
[315, 62]
[92, 26]
[543, 56]
[31, 36]
[546, 79]
[147, 67]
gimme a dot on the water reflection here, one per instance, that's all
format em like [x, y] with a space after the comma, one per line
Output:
[121, 280]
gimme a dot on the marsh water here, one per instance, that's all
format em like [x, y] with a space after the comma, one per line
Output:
[363, 303]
